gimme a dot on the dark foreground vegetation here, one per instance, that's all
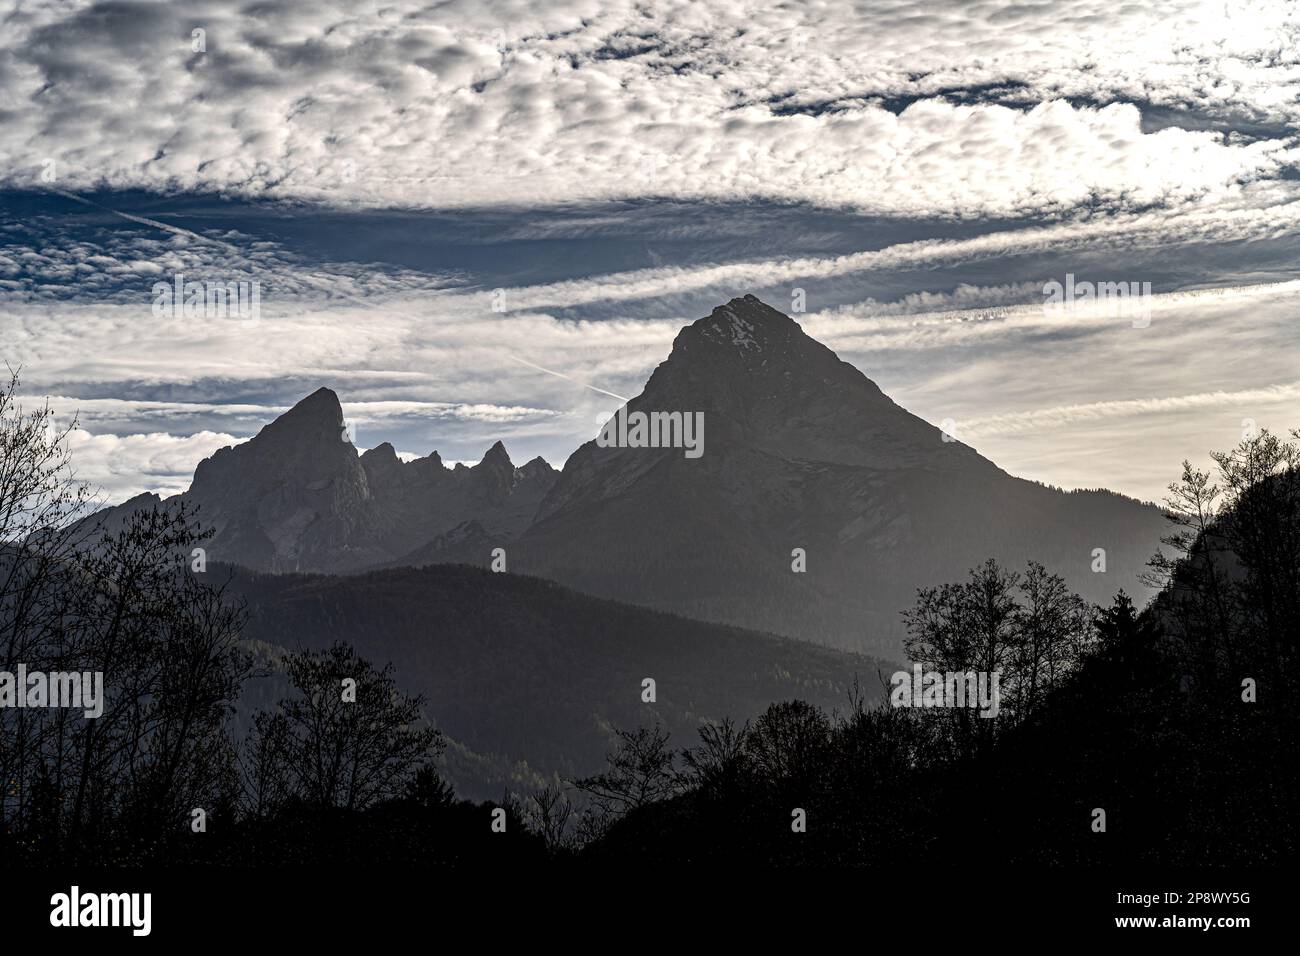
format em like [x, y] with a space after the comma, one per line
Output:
[1173, 726]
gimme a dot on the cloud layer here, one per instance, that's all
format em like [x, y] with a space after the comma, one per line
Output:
[918, 107]
[1039, 392]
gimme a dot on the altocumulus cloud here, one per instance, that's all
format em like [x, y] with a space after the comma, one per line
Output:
[912, 108]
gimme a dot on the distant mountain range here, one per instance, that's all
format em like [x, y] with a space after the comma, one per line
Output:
[799, 450]
[298, 497]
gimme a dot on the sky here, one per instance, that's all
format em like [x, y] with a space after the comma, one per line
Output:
[488, 220]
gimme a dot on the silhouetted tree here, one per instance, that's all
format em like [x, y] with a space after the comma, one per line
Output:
[550, 814]
[971, 626]
[1260, 527]
[641, 770]
[1053, 629]
[788, 741]
[1125, 638]
[430, 790]
[721, 762]
[79, 596]
[347, 739]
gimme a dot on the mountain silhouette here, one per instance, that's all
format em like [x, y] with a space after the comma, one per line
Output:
[801, 451]
[813, 506]
[298, 497]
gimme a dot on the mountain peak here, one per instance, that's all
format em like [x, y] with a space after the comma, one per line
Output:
[743, 337]
[747, 324]
[496, 467]
[765, 386]
[324, 403]
[384, 451]
[538, 465]
[315, 418]
[316, 414]
[497, 455]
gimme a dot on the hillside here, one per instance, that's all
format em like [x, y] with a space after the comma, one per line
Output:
[523, 671]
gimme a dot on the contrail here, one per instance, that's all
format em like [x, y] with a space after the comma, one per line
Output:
[148, 222]
[1013, 422]
[321, 284]
[566, 377]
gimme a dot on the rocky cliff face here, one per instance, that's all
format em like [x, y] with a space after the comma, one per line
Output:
[297, 497]
[294, 497]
